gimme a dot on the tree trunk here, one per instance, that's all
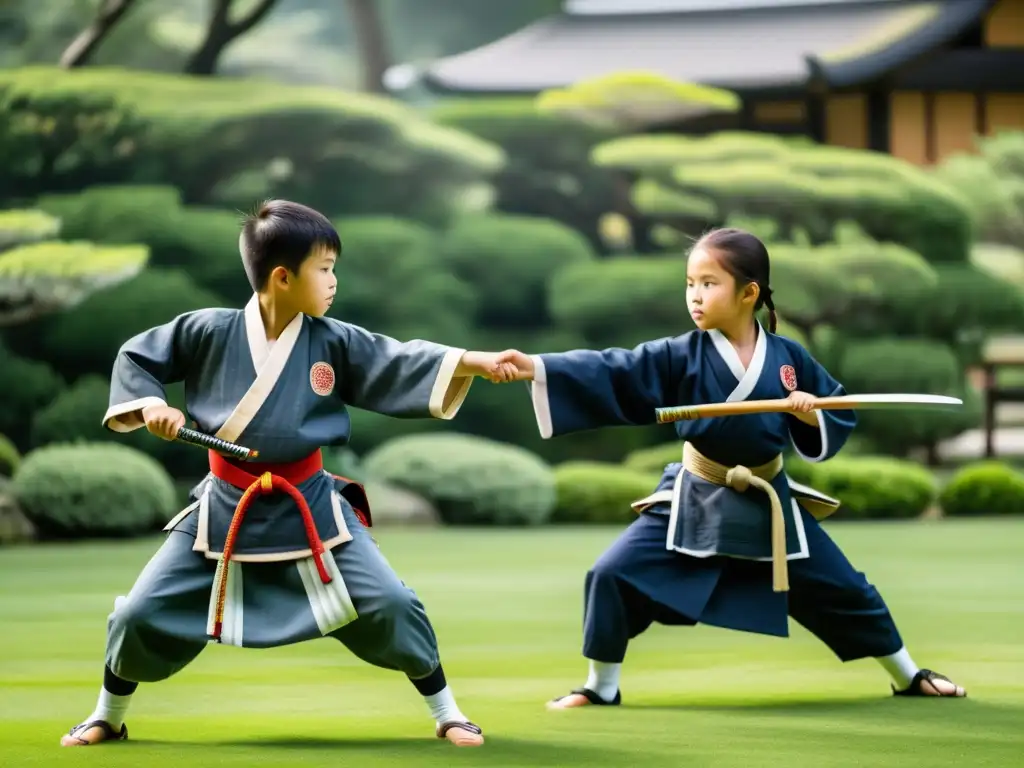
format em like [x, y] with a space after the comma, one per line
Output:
[88, 41]
[220, 32]
[369, 36]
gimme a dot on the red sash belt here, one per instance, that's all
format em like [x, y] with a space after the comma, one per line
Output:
[264, 479]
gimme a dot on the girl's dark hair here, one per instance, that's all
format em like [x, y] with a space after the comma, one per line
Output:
[744, 257]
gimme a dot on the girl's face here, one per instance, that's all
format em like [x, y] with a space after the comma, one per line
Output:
[712, 296]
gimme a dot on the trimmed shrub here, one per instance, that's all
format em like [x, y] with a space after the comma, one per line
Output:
[654, 459]
[804, 186]
[225, 140]
[86, 339]
[908, 365]
[601, 300]
[202, 242]
[381, 252]
[509, 261]
[19, 227]
[470, 480]
[873, 486]
[984, 488]
[93, 490]
[548, 172]
[962, 307]
[594, 492]
[26, 386]
[10, 458]
[75, 416]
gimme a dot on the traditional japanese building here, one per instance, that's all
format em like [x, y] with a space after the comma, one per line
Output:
[915, 78]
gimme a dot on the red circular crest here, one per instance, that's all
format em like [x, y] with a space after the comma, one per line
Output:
[788, 375]
[321, 378]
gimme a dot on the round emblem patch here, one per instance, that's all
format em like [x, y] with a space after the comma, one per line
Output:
[788, 377]
[321, 378]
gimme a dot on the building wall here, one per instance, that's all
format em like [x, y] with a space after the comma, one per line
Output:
[846, 120]
[926, 128]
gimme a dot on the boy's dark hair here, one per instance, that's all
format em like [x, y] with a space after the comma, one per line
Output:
[744, 257]
[282, 234]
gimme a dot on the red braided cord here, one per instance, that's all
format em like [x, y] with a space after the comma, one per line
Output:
[266, 484]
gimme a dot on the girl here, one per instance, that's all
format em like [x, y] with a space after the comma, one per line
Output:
[726, 539]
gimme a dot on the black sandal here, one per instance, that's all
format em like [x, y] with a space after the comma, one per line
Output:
[592, 697]
[443, 728]
[109, 734]
[914, 689]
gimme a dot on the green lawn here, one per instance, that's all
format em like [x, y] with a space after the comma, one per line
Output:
[507, 609]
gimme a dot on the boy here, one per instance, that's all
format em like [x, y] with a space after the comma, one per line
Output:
[276, 377]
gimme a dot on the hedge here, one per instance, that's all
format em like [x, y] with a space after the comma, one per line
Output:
[984, 488]
[93, 490]
[229, 140]
[596, 492]
[509, 260]
[871, 486]
[807, 186]
[908, 365]
[470, 480]
[380, 252]
[18, 227]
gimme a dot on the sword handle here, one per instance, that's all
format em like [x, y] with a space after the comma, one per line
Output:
[203, 440]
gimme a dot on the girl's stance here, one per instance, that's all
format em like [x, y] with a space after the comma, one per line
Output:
[726, 539]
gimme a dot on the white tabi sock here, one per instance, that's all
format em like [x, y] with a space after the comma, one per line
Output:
[111, 708]
[603, 679]
[900, 667]
[443, 707]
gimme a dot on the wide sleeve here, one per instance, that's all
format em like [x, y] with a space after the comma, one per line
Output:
[404, 379]
[145, 364]
[589, 389]
[834, 427]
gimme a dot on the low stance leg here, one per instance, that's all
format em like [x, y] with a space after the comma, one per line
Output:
[393, 632]
[147, 635]
[836, 602]
[621, 602]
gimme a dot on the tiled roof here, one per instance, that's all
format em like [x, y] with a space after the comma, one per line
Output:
[756, 47]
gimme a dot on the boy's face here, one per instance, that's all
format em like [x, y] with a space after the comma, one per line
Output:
[312, 289]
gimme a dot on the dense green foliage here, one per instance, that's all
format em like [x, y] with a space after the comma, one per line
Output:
[984, 488]
[93, 489]
[470, 480]
[595, 492]
[485, 224]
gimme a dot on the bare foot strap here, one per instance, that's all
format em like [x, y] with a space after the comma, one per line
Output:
[927, 675]
[109, 734]
[465, 725]
[593, 698]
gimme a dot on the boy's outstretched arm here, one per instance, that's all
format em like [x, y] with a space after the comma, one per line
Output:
[407, 379]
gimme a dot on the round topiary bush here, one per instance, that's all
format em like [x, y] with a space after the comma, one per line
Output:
[470, 480]
[594, 492]
[984, 488]
[93, 489]
[875, 487]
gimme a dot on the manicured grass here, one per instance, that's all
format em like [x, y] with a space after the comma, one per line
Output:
[507, 608]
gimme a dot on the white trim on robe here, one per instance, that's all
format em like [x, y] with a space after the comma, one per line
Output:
[746, 379]
[113, 418]
[267, 360]
[445, 380]
[823, 436]
[539, 395]
[232, 623]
